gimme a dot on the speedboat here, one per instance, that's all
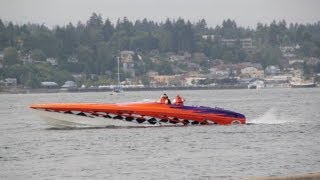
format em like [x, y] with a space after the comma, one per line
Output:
[139, 114]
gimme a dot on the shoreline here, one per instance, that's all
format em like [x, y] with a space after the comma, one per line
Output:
[17, 90]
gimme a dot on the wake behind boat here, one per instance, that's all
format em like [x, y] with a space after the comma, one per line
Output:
[139, 114]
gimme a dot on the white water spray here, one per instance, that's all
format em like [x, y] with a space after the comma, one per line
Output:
[270, 117]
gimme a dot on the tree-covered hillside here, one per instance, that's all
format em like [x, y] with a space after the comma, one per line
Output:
[90, 47]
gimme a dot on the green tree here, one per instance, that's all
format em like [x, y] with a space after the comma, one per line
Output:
[269, 55]
[107, 30]
[105, 60]
[85, 56]
[38, 55]
[10, 56]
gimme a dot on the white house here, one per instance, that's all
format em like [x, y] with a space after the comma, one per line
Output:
[272, 70]
[252, 72]
[69, 85]
[27, 59]
[49, 84]
[126, 55]
[294, 61]
[72, 59]
[209, 36]
[52, 61]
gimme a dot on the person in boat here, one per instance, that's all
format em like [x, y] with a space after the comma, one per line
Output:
[178, 100]
[164, 99]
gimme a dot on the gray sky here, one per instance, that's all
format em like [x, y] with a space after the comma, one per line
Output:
[244, 12]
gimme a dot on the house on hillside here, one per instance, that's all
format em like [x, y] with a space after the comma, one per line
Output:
[126, 58]
[9, 82]
[72, 59]
[52, 61]
[26, 59]
[228, 42]
[296, 61]
[199, 57]
[313, 60]
[252, 72]
[208, 36]
[220, 71]
[193, 80]
[182, 57]
[272, 70]
[247, 45]
[166, 80]
[176, 58]
[126, 55]
[289, 51]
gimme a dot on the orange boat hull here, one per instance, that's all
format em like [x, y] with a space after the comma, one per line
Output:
[152, 113]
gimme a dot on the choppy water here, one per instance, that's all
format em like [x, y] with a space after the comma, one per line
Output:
[284, 138]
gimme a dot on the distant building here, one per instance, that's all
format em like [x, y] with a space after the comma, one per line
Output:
[52, 61]
[272, 70]
[193, 66]
[199, 57]
[185, 56]
[69, 85]
[126, 55]
[49, 85]
[247, 45]
[252, 72]
[72, 59]
[220, 71]
[289, 51]
[77, 76]
[154, 52]
[152, 73]
[277, 79]
[296, 61]
[228, 42]
[312, 60]
[191, 81]
[26, 59]
[206, 37]
[9, 82]
[127, 62]
[165, 80]
[176, 58]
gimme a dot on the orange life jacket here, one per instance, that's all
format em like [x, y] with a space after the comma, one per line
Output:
[178, 101]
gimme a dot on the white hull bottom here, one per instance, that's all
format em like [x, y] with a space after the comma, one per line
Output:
[63, 120]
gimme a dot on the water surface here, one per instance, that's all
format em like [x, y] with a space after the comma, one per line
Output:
[282, 138]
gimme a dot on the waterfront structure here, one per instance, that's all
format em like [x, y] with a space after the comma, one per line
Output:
[49, 84]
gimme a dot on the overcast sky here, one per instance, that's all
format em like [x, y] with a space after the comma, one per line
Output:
[244, 12]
